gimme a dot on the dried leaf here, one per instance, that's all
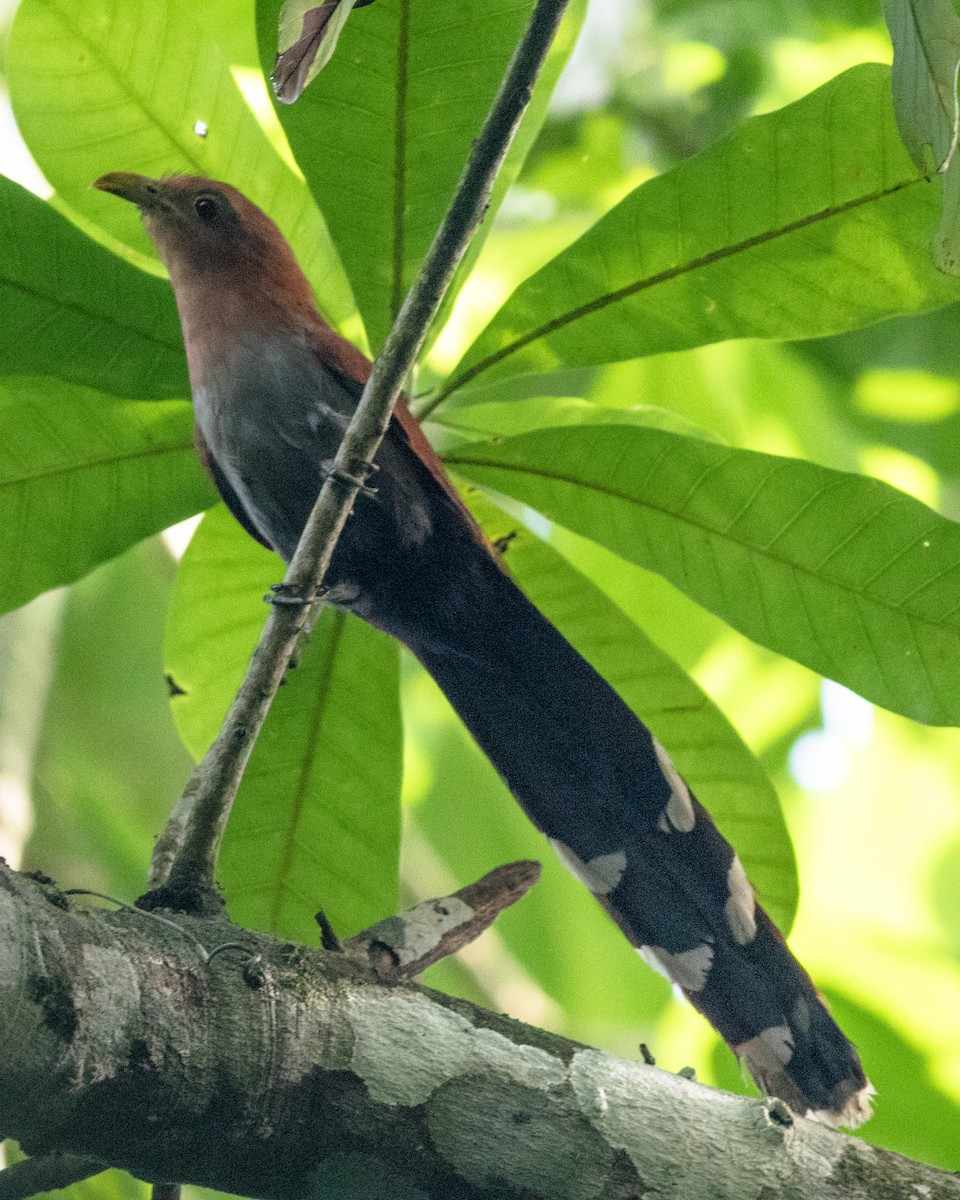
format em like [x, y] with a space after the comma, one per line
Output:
[306, 42]
[926, 44]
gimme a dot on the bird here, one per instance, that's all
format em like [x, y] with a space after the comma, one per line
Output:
[274, 387]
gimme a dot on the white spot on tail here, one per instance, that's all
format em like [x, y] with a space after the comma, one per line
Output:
[801, 1015]
[768, 1053]
[600, 875]
[678, 812]
[767, 1057]
[200, 128]
[740, 909]
[857, 1109]
[688, 969]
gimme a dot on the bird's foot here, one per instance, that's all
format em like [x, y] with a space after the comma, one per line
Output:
[354, 474]
[284, 595]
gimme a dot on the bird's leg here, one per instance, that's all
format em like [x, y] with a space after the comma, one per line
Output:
[354, 474]
[303, 637]
[285, 595]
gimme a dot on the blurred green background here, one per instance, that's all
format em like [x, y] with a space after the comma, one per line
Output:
[90, 761]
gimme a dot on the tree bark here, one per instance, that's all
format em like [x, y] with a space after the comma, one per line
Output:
[186, 1049]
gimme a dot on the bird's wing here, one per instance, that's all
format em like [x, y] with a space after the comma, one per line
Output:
[352, 369]
[227, 494]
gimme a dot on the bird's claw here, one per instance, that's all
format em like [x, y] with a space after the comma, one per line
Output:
[284, 595]
[353, 476]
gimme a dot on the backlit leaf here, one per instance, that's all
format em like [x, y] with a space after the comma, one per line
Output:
[806, 221]
[84, 476]
[136, 85]
[317, 821]
[843, 573]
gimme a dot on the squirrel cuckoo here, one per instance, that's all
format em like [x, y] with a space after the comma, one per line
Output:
[273, 388]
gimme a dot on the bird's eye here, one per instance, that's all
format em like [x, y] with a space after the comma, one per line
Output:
[205, 207]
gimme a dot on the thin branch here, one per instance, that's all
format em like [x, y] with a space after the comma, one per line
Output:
[403, 946]
[186, 853]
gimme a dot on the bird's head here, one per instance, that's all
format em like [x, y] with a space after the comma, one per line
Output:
[232, 270]
[208, 231]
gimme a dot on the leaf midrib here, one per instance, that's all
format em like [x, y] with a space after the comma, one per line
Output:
[90, 314]
[712, 531]
[122, 82]
[666, 276]
[400, 159]
[92, 464]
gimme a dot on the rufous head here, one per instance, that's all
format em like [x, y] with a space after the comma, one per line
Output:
[202, 227]
[233, 273]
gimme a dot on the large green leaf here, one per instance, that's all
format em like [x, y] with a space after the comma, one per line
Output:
[316, 823]
[107, 1185]
[71, 309]
[383, 132]
[806, 221]
[526, 137]
[841, 572]
[902, 1073]
[105, 85]
[232, 25]
[709, 753]
[83, 477]
[926, 40]
[110, 764]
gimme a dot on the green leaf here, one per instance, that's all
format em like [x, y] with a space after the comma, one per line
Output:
[71, 309]
[106, 85]
[316, 823]
[383, 133]
[706, 748]
[903, 1067]
[107, 1185]
[526, 136]
[216, 614]
[231, 24]
[926, 61]
[83, 476]
[843, 573]
[806, 221]
[110, 764]
[946, 253]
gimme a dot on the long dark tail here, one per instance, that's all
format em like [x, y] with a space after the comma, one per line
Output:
[595, 781]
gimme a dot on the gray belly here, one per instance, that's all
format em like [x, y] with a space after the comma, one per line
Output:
[273, 420]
